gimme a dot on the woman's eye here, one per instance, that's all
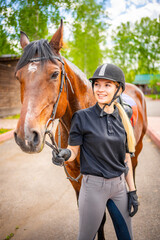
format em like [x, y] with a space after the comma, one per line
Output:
[54, 75]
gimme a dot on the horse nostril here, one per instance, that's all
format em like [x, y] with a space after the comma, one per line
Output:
[36, 138]
[15, 136]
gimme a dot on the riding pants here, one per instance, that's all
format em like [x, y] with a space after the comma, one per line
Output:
[95, 194]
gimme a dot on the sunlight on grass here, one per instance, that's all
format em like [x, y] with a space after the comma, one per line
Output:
[17, 116]
[2, 130]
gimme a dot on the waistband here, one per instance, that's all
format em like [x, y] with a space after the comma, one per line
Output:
[102, 179]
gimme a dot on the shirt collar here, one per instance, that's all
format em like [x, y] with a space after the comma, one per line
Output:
[98, 110]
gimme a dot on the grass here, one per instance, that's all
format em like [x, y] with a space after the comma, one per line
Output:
[154, 96]
[17, 116]
[2, 130]
[9, 236]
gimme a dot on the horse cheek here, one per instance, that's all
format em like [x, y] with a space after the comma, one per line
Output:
[62, 102]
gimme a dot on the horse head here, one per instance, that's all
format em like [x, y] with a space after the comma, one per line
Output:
[39, 72]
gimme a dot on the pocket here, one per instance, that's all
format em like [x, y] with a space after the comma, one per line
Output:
[121, 185]
[93, 182]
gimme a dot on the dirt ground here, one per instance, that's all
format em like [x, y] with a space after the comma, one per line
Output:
[38, 200]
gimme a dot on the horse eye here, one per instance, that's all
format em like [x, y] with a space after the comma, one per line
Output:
[55, 75]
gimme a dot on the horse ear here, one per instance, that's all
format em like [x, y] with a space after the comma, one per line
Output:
[56, 42]
[24, 41]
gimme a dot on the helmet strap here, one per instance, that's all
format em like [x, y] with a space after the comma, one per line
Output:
[109, 104]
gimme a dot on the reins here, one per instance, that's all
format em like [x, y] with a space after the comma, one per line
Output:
[49, 132]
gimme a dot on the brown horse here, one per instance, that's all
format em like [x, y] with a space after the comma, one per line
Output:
[43, 74]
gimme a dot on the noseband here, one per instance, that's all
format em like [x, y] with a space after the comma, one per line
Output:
[52, 118]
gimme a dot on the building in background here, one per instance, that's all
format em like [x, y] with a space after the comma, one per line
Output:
[143, 81]
[9, 87]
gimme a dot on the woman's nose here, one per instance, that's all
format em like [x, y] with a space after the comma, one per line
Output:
[101, 88]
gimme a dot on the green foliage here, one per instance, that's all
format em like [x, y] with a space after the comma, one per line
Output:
[9, 236]
[88, 28]
[30, 16]
[35, 16]
[137, 47]
[6, 47]
[154, 96]
[155, 85]
[147, 41]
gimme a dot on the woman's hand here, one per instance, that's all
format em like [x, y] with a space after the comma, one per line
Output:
[132, 203]
[63, 155]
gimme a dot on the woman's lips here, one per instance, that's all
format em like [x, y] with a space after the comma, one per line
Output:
[101, 96]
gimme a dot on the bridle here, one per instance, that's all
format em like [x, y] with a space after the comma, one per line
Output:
[49, 132]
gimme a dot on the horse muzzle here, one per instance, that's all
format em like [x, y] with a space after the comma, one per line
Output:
[31, 143]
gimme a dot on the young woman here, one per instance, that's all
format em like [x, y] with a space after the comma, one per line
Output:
[104, 135]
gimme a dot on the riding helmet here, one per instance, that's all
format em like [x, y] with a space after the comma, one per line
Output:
[111, 72]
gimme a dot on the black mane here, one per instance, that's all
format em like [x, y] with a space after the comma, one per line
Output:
[40, 48]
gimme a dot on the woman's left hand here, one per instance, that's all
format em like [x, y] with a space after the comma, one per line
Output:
[132, 202]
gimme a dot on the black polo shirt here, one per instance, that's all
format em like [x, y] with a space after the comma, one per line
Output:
[102, 142]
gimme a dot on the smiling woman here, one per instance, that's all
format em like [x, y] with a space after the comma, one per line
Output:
[104, 91]
[99, 132]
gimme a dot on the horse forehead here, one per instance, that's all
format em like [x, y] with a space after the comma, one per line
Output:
[32, 67]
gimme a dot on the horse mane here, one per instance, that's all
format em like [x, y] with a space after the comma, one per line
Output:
[39, 48]
[78, 72]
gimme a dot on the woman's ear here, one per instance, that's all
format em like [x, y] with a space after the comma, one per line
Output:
[120, 90]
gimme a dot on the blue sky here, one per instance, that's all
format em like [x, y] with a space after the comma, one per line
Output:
[130, 10]
[122, 11]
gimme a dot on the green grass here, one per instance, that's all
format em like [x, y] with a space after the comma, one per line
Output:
[154, 96]
[17, 116]
[2, 130]
[9, 236]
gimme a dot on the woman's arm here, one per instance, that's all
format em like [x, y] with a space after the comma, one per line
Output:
[74, 152]
[65, 154]
[129, 176]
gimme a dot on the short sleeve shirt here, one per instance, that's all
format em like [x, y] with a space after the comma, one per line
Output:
[102, 142]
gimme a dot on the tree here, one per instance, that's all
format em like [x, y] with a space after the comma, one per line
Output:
[137, 47]
[88, 36]
[6, 47]
[34, 17]
[147, 42]
[30, 16]
[155, 84]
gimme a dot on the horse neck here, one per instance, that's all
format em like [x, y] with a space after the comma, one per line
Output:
[81, 97]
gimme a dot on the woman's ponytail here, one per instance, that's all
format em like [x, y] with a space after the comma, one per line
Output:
[128, 128]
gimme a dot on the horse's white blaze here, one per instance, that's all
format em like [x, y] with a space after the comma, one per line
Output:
[29, 115]
[32, 67]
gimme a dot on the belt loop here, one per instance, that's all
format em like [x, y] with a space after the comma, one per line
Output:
[103, 182]
[120, 177]
[87, 176]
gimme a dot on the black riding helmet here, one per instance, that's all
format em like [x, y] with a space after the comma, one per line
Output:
[110, 72]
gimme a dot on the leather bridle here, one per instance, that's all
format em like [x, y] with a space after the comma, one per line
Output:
[49, 132]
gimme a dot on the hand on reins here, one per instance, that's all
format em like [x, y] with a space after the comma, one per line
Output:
[63, 155]
[132, 202]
